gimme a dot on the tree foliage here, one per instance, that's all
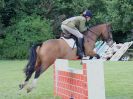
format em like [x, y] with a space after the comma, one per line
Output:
[120, 14]
[20, 36]
[28, 21]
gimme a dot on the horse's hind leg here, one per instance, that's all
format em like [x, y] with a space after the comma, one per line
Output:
[29, 73]
[41, 68]
[34, 82]
[21, 86]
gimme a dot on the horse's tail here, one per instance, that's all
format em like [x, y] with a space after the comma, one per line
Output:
[30, 67]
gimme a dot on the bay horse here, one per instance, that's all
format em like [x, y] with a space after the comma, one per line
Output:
[44, 54]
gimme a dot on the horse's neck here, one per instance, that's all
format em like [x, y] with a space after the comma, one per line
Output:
[96, 30]
[91, 35]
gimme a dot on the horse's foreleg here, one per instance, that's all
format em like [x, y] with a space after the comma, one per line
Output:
[97, 56]
[93, 54]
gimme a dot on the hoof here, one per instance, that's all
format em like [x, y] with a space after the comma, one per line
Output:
[21, 86]
[98, 56]
[29, 89]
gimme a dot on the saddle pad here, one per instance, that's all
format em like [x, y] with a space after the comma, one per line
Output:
[71, 42]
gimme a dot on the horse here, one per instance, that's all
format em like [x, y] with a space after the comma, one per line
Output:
[44, 54]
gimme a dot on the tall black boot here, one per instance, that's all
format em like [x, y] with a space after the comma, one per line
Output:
[80, 50]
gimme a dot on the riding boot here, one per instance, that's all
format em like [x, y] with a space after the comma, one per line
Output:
[80, 50]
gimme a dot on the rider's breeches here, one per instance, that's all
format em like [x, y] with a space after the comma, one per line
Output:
[75, 32]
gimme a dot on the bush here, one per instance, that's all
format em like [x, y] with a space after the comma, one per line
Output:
[120, 14]
[29, 30]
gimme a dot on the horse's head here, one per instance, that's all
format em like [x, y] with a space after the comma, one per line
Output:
[106, 34]
[103, 31]
[91, 36]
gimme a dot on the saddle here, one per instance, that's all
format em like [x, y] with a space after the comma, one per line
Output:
[71, 36]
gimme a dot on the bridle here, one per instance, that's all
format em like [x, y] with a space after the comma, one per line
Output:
[109, 34]
[93, 33]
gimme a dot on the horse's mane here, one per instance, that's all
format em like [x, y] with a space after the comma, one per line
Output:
[94, 29]
[108, 24]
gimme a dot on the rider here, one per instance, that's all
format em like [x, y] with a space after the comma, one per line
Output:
[76, 25]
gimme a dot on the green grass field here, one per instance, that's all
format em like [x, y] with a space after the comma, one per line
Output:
[118, 81]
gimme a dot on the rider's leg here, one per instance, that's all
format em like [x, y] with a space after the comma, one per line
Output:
[80, 47]
[76, 33]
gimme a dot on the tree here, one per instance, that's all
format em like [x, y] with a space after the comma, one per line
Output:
[20, 36]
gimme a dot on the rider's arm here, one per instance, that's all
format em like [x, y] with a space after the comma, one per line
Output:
[82, 26]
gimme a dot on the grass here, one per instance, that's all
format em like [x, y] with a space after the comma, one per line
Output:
[11, 75]
[118, 81]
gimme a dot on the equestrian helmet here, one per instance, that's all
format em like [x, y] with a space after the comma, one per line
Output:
[87, 13]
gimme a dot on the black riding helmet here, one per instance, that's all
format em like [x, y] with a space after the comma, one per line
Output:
[87, 13]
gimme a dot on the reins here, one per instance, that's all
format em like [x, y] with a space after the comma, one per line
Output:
[93, 33]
